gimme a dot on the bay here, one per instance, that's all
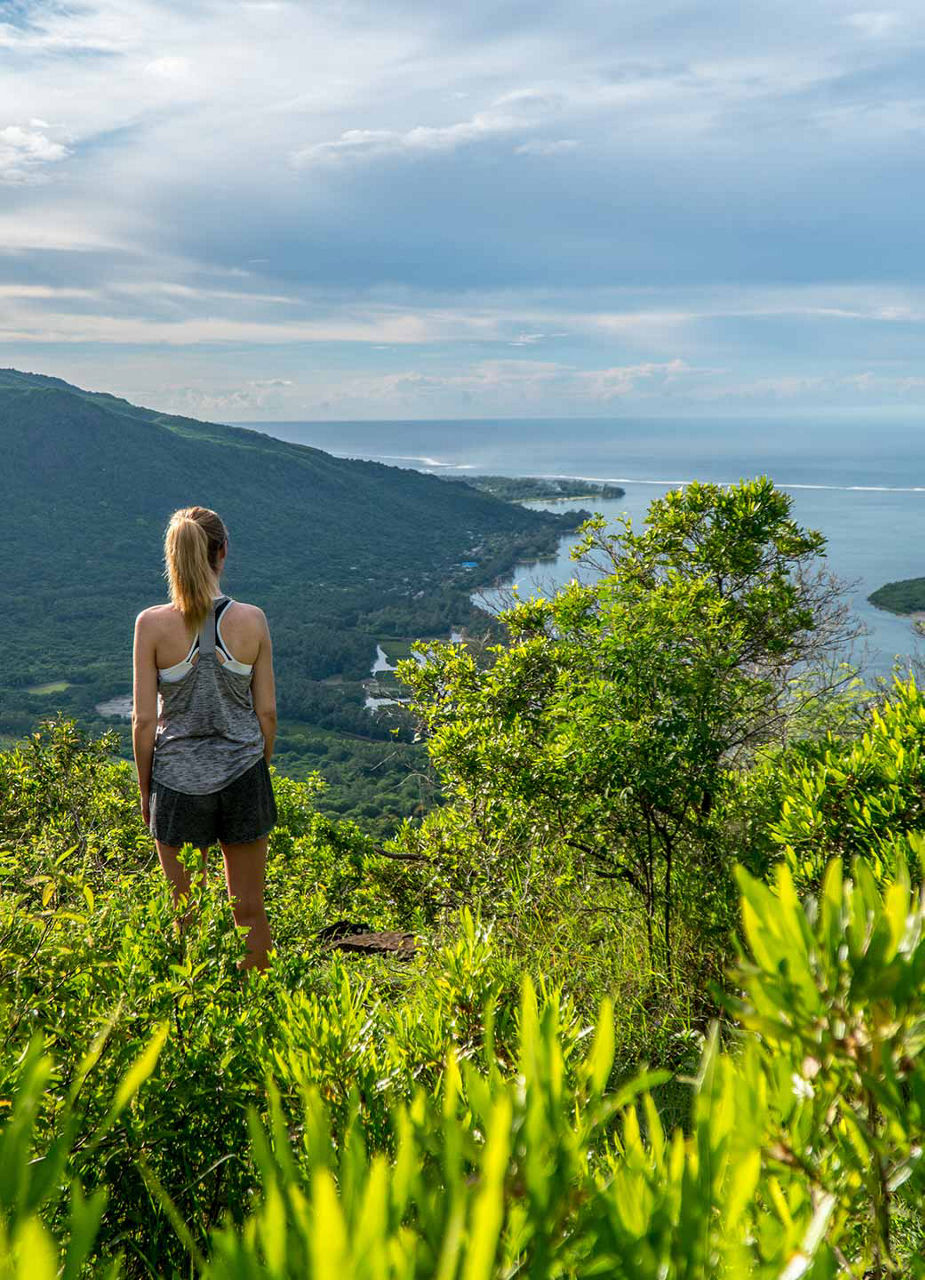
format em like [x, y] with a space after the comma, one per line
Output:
[861, 482]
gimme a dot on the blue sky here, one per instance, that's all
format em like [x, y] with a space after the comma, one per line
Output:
[263, 209]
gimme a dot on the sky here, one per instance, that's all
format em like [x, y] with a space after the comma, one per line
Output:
[257, 210]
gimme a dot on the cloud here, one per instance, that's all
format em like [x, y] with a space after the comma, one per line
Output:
[257, 396]
[62, 327]
[333, 195]
[199, 293]
[169, 68]
[552, 147]
[233, 308]
[773, 388]
[26, 151]
[45, 237]
[877, 384]
[620, 381]
[482, 383]
[48, 27]
[875, 24]
[527, 339]
[337, 324]
[43, 291]
[511, 113]
[526, 384]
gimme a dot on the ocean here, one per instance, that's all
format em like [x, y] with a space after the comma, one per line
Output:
[861, 483]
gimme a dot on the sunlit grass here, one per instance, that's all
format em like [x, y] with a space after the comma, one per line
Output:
[54, 686]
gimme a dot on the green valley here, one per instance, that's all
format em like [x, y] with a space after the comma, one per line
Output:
[341, 554]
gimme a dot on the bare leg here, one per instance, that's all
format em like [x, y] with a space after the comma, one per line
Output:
[245, 867]
[176, 873]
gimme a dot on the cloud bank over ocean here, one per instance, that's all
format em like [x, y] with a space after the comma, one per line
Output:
[269, 209]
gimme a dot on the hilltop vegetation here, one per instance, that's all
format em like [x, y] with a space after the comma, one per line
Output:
[340, 553]
[665, 1018]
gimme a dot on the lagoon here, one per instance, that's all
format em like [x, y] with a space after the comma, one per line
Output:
[860, 480]
[872, 538]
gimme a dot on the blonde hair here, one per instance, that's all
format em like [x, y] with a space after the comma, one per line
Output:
[192, 545]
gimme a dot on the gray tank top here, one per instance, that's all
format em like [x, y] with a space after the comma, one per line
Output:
[208, 733]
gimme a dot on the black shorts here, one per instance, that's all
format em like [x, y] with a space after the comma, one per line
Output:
[241, 812]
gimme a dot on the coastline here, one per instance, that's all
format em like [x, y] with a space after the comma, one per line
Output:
[911, 615]
[546, 550]
[572, 497]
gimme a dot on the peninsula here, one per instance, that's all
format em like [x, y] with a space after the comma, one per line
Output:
[539, 488]
[905, 597]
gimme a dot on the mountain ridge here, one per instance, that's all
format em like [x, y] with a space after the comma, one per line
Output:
[43, 418]
[339, 552]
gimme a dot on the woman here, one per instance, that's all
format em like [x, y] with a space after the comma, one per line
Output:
[202, 762]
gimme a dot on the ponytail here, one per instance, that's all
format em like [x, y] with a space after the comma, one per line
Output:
[192, 545]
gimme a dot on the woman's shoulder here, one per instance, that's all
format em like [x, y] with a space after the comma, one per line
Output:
[156, 616]
[248, 612]
[243, 630]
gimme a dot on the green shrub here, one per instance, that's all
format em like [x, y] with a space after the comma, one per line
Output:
[859, 796]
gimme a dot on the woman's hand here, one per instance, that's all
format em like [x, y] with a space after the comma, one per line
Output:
[145, 802]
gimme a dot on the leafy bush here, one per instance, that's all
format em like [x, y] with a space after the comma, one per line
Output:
[857, 795]
[607, 724]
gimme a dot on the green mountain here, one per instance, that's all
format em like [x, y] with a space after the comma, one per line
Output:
[340, 553]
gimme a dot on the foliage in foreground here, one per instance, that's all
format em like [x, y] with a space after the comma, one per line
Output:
[803, 1148]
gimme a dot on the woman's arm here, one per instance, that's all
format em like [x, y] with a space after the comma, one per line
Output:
[144, 709]
[263, 690]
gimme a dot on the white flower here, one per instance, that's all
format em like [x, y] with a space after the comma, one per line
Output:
[801, 1087]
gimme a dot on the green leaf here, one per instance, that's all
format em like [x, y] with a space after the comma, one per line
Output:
[329, 1252]
[134, 1078]
[83, 1225]
[36, 1257]
[600, 1059]
[488, 1214]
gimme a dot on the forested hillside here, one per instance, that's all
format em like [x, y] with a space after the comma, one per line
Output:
[665, 1014]
[341, 554]
[906, 596]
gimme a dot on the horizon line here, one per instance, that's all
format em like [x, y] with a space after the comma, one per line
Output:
[760, 415]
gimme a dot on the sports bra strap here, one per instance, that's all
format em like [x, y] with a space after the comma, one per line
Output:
[207, 633]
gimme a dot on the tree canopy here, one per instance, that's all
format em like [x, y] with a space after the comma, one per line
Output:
[610, 717]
